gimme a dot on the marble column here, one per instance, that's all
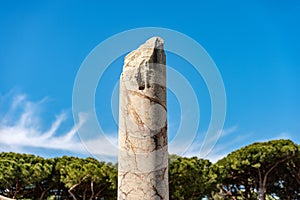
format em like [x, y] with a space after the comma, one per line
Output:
[143, 150]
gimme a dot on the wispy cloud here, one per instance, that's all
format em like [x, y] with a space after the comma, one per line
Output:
[21, 129]
[195, 146]
[283, 135]
[211, 151]
[236, 140]
[25, 128]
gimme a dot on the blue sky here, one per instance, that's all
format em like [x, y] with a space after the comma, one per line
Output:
[255, 45]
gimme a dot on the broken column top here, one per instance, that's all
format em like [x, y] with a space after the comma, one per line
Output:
[152, 51]
[143, 137]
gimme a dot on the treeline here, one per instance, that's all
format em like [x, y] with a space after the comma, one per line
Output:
[263, 170]
[267, 170]
[25, 176]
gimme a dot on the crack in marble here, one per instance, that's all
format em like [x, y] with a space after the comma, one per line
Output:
[152, 99]
[156, 192]
[143, 155]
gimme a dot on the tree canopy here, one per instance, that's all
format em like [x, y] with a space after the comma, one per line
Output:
[262, 170]
[255, 171]
[33, 177]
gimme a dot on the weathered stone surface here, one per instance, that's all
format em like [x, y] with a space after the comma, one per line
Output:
[143, 151]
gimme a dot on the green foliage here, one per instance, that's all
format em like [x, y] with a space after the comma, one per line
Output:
[189, 178]
[88, 177]
[286, 179]
[262, 170]
[22, 172]
[25, 176]
[253, 168]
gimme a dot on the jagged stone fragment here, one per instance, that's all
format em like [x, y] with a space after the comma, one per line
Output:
[143, 150]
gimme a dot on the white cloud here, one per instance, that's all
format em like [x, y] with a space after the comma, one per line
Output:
[21, 129]
[210, 150]
[224, 148]
[26, 129]
[103, 147]
[283, 135]
[18, 100]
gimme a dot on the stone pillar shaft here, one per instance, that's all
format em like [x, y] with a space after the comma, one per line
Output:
[143, 151]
